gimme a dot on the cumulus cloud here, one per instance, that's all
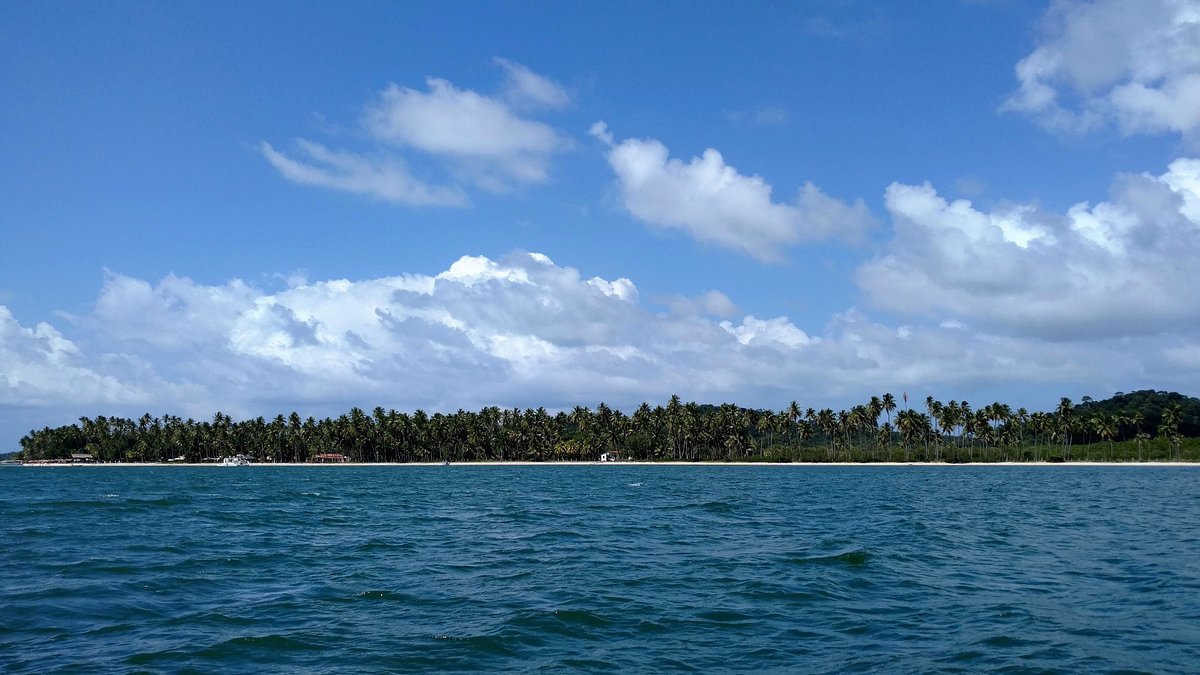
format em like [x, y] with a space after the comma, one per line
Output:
[38, 366]
[521, 330]
[778, 331]
[1125, 266]
[714, 203]
[518, 331]
[133, 310]
[1132, 63]
[481, 140]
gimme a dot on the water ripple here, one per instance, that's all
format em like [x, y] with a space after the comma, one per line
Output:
[545, 569]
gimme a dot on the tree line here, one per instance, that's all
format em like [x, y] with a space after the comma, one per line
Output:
[880, 429]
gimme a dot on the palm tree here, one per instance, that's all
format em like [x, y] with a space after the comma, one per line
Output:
[766, 425]
[1172, 415]
[1106, 428]
[889, 405]
[827, 423]
[1064, 410]
[793, 417]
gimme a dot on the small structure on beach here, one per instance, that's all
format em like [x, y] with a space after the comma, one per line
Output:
[330, 458]
[611, 456]
[82, 458]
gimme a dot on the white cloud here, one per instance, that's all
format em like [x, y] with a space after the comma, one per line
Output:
[38, 366]
[713, 203]
[778, 330]
[525, 88]
[175, 313]
[483, 135]
[1135, 63]
[520, 331]
[1126, 266]
[382, 177]
[478, 139]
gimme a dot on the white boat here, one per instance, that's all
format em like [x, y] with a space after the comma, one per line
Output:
[239, 460]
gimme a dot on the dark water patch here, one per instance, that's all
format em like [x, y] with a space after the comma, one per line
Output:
[581, 617]
[585, 665]
[727, 617]
[564, 623]
[263, 643]
[650, 627]
[1005, 642]
[389, 596]
[238, 653]
[378, 546]
[855, 558]
[553, 536]
[66, 505]
[718, 507]
[209, 618]
[491, 645]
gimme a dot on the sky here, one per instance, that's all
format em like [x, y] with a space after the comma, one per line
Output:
[266, 207]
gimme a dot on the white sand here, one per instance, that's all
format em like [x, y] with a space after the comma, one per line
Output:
[616, 464]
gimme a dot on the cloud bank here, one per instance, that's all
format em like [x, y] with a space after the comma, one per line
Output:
[1134, 64]
[520, 331]
[1126, 266]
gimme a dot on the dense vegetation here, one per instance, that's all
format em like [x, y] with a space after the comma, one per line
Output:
[1144, 425]
[1148, 406]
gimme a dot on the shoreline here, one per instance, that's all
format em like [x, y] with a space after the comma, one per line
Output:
[619, 464]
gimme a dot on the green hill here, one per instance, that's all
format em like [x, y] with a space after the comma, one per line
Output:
[1150, 405]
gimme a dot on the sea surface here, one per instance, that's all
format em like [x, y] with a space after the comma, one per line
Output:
[600, 568]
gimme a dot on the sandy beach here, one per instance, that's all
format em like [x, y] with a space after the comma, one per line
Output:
[629, 464]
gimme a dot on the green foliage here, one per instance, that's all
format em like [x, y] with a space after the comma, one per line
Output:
[1149, 405]
[1142, 426]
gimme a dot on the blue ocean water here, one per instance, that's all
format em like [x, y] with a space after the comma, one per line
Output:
[600, 568]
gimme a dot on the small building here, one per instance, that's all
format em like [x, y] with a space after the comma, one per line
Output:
[610, 457]
[82, 458]
[330, 458]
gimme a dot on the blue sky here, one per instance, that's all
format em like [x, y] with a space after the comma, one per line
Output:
[261, 207]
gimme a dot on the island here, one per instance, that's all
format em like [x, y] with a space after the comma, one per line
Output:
[1142, 426]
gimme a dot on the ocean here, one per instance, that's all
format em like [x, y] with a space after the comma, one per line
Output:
[599, 569]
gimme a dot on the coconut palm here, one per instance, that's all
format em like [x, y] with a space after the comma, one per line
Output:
[1172, 415]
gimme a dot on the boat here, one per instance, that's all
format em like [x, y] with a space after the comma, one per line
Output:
[239, 460]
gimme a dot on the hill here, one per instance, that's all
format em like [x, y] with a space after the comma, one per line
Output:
[1150, 405]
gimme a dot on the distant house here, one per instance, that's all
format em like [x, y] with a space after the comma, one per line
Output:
[82, 458]
[330, 458]
[610, 457]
